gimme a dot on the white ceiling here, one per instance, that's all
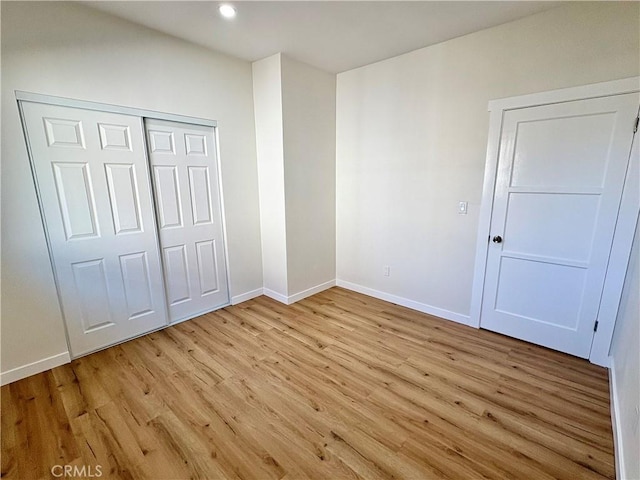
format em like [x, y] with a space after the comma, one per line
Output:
[331, 35]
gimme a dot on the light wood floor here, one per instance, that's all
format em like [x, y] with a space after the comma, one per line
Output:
[339, 385]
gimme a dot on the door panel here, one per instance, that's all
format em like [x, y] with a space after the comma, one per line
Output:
[207, 268]
[560, 286]
[188, 201]
[93, 294]
[561, 171]
[528, 210]
[75, 197]
[167, 196]
[161, 141]
[123, 193]
[95, 194]
[114, 137]
[177, 273]
[200, 192]
[546, 150]
[64, 133]
[137, 283]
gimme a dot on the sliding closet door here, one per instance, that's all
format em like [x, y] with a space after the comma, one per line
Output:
[93, 182]
[185, 177]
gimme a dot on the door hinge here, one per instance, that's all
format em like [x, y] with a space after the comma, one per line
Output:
[635, 127]
[595, 326]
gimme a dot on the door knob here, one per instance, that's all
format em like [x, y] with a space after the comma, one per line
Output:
[497, 239]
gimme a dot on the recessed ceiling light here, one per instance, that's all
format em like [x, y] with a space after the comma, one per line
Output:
[227, 11]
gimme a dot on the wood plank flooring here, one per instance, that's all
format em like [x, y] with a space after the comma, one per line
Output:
[339, 385]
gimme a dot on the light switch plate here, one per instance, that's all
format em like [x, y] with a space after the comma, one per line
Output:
[462, 208]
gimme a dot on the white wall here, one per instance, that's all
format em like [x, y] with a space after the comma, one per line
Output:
[309, 112]
[295, 132]
[625, 352]
[267, 95]
[412, 136]
[65, 49]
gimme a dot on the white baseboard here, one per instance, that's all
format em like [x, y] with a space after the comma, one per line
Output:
[617, 431]
[33, 368]
[405, 302]
[276, 296]
[310, 291]
[296, 297]
[243, 297]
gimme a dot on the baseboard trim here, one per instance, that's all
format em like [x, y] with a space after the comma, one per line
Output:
[32, 368]
[243, 297]
[296, 297]
[617, 433]
[405, 302]
[276, 296]
[310, 291]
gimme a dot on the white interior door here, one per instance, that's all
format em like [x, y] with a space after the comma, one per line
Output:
[561, 171]
[185, 177]
[93, 182]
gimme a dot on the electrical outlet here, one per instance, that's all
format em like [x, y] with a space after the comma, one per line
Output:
[462, 208]
[387, 270]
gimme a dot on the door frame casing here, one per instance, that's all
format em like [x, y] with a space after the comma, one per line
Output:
[627, 212]
[107, 107]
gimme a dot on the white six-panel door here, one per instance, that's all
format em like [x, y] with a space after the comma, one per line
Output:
[93, 182]
[561, 172]
[185, 178]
